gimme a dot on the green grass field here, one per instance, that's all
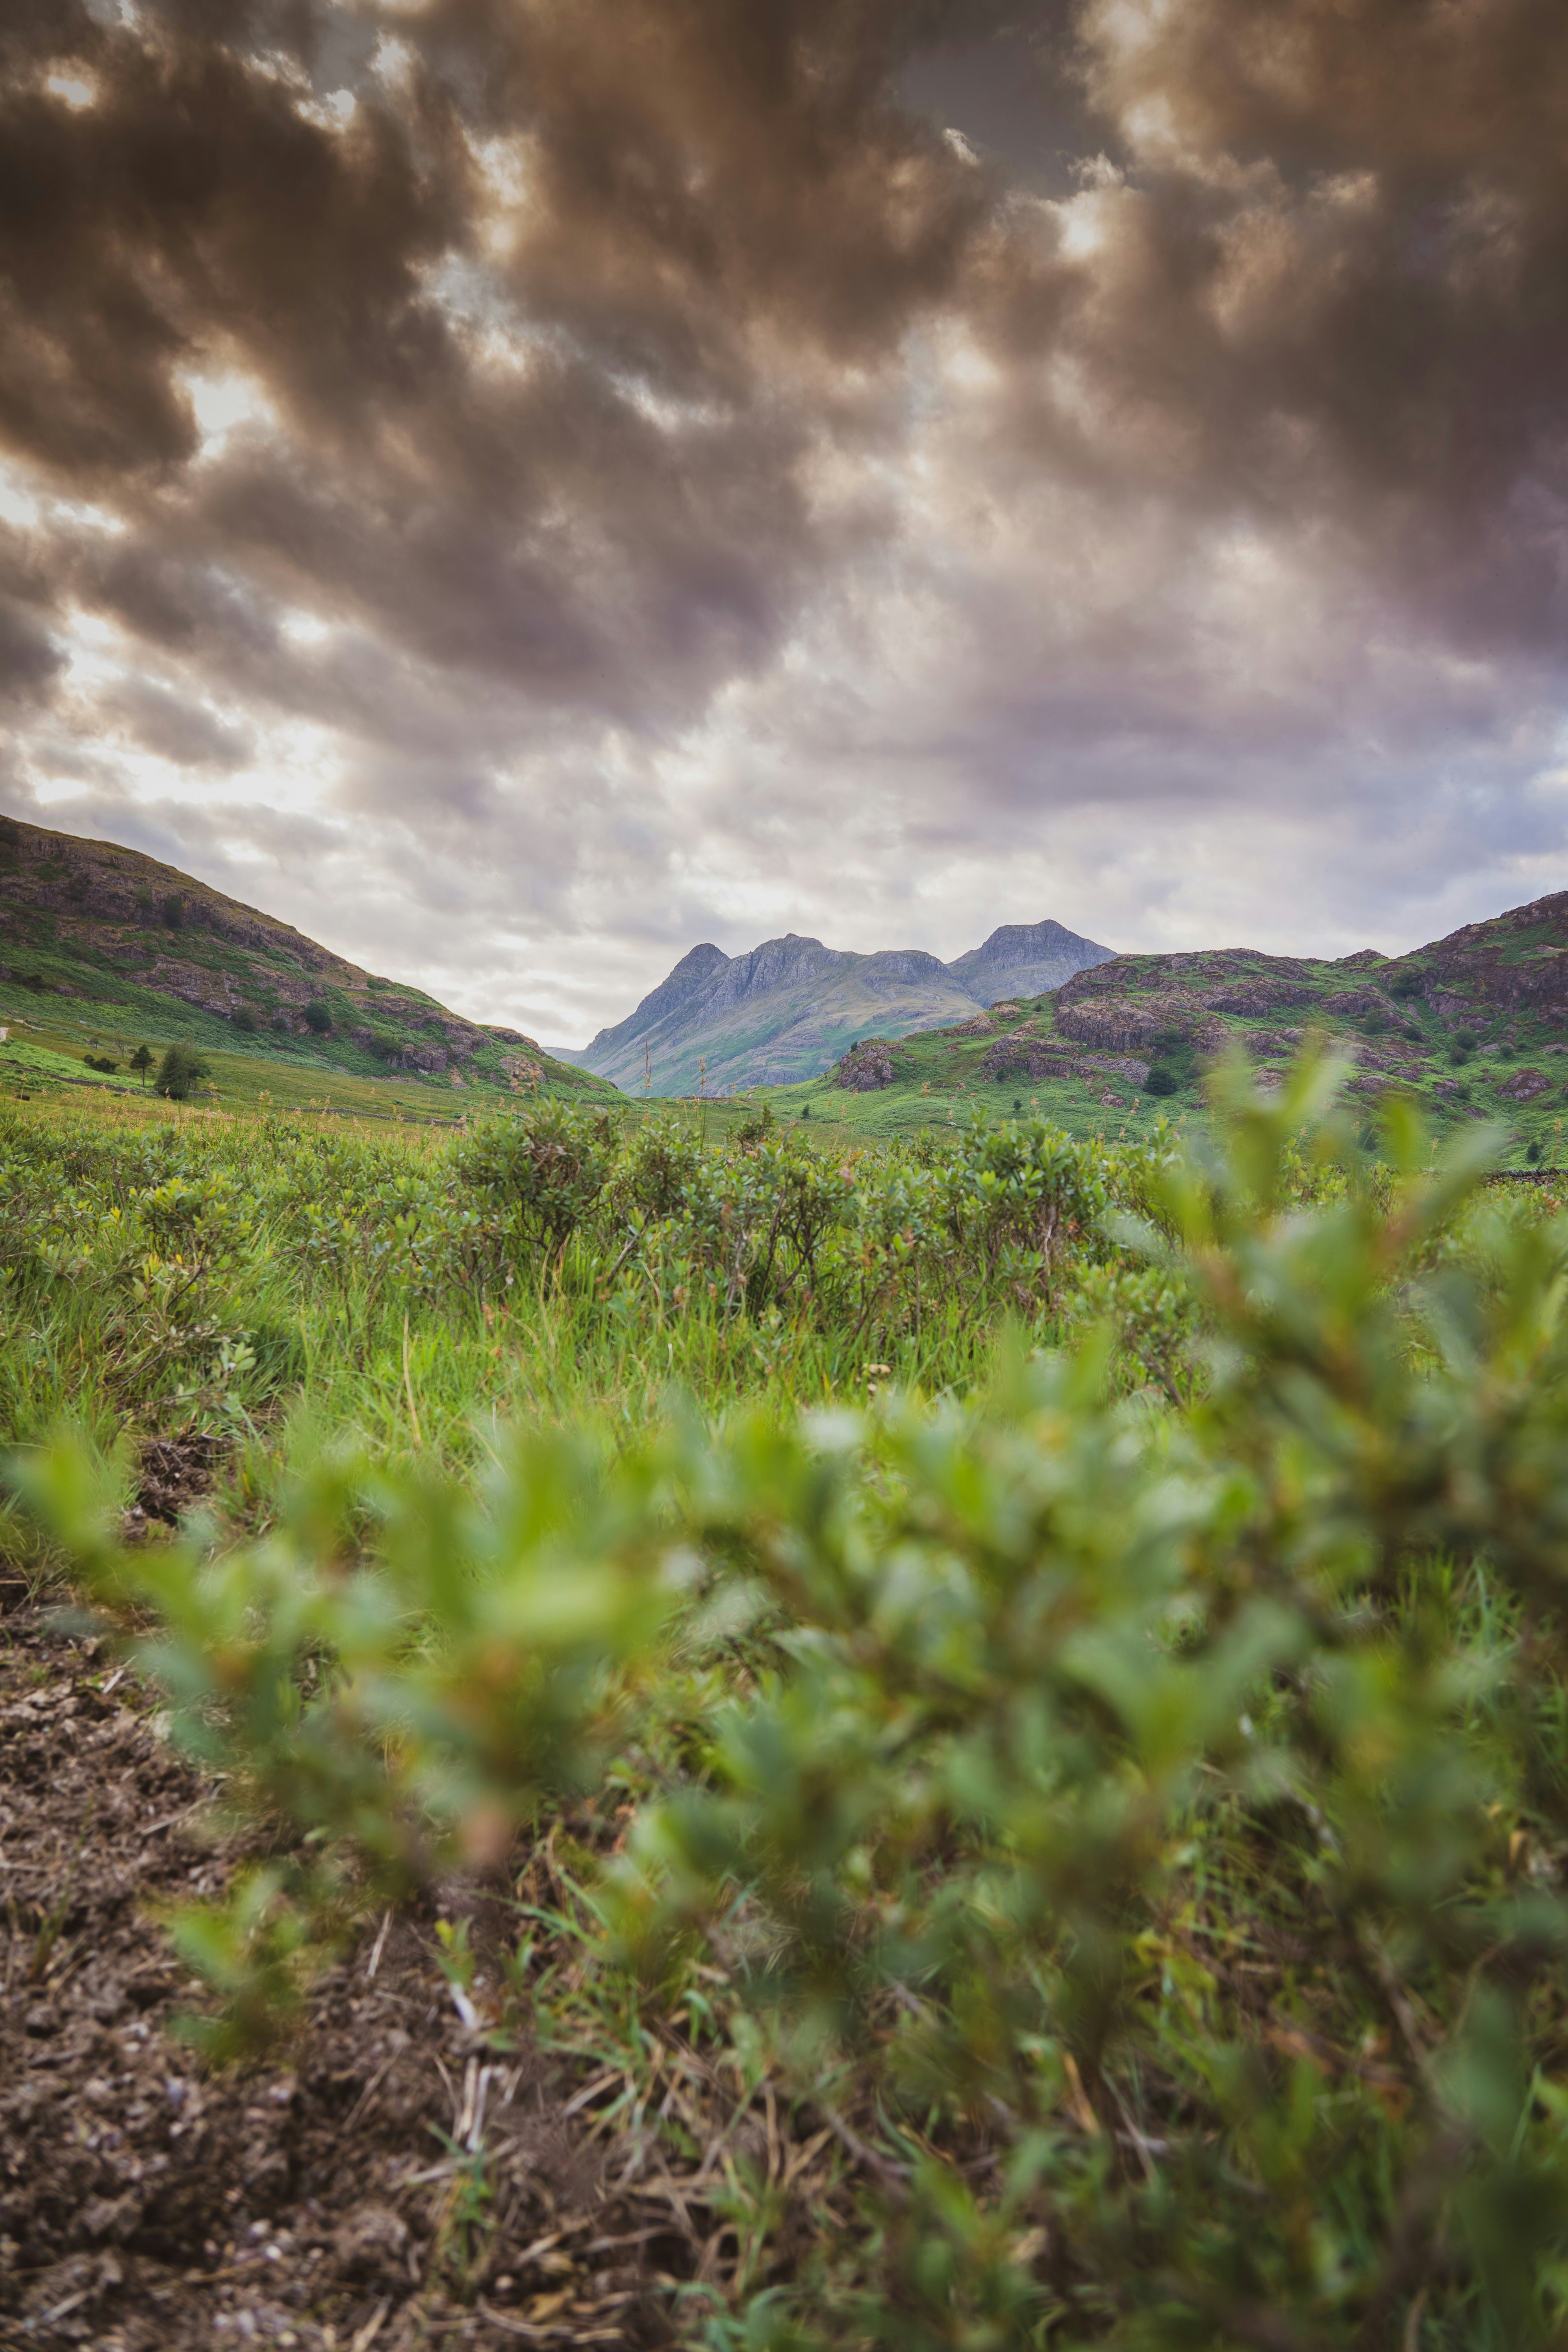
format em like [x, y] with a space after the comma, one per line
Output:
[43, 1053]
[1006, 1687]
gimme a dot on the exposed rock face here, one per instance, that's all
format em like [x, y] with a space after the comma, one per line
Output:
[1524, 1085]
[1355, 1003]
[1518, 962]
[1118, 1027]
[1362, 960]
[1026, 960]
[463, 1040]
[1129, 1024]
[865, 1067]
[1027, 1058]
[1271, 1041]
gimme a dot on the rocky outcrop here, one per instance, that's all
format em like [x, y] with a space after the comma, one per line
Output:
[1134, 1025]
[1026, 1058]
[1117, 1027]
[1029, 1057]
[1518, 961]
[1355, 1003]
[1525, 1086]
[865, 1067]
[1249, 998]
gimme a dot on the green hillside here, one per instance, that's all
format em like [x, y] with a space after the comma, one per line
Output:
[1472, 1026]
[103, 949]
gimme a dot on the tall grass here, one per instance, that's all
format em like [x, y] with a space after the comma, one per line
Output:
[1110, 1817]
[162, 1267]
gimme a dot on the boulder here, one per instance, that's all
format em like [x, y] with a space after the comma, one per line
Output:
[865, 1067]
[1356, 1003]
[1026, 1058]
[1524, 1085]
[1117, 1028]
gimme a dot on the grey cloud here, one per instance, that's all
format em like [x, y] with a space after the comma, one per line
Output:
[29, 660]
[719, 489]
[164, 722]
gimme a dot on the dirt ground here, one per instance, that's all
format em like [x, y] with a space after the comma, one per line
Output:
[147, 2206]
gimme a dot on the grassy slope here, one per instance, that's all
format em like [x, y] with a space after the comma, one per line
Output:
[940, 1076]
[90, 966]
[43, 1057]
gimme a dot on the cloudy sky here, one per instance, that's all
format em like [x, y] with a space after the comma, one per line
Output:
[517, 486]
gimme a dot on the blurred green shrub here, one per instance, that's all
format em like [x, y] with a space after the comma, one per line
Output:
[1154, 1818]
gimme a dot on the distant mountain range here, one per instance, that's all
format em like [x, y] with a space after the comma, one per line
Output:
[1471, 1026]
[88, 919]
[791, 1007]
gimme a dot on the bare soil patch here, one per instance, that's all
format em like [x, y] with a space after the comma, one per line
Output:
[146, 2206]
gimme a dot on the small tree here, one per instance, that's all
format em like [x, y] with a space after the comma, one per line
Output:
[245, 1020]
[318, 1019]
[1161, 1081]
[141, 1062]
[180, 1073]
[173, 912]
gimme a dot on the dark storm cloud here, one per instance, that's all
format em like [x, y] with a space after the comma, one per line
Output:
[1333, 280]
[28, 659]
[569, 465]
[597, 436]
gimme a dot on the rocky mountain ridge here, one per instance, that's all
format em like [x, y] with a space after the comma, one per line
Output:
[786, 1008]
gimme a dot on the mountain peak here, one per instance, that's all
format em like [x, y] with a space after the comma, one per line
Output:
[1026, 960]
[788, 1007]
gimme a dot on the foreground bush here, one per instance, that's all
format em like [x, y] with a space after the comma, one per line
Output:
[1136, 1815]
